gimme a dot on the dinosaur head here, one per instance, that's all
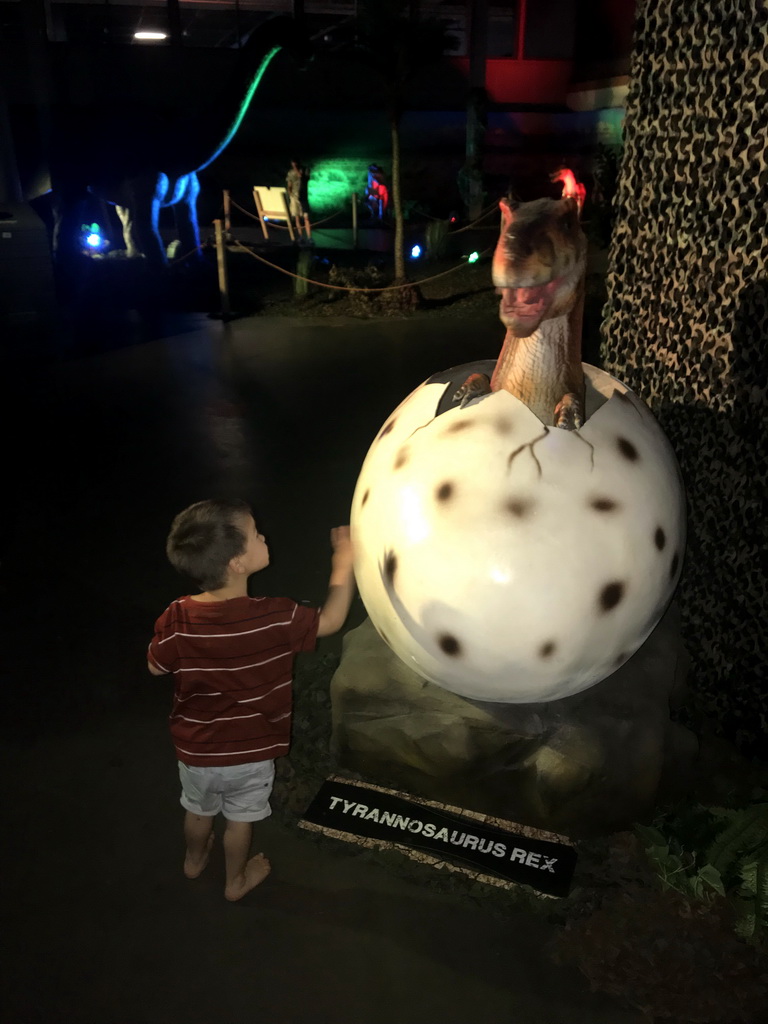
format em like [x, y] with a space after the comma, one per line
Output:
[539, 262]
[286, 33]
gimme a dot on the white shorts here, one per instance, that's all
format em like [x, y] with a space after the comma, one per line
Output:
[239, 791]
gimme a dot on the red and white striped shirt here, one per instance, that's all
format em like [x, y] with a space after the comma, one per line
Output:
[232, 663]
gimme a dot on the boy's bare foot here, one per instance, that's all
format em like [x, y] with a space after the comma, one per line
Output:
[256, 870]
[194, 868]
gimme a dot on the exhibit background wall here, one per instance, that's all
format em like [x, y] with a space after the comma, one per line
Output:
[687, 319]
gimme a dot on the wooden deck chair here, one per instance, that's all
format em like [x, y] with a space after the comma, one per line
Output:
[272, 204]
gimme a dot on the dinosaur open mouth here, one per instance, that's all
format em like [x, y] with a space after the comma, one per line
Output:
[527, 303]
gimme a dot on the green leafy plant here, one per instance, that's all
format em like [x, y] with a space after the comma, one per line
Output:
[670, 957]
[678, 870]
[654, 929]
[729, 859]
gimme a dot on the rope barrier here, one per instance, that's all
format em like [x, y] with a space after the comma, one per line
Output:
[283, 227]
[272, 223]
[351, 288]
[237, 245]
[491, 209]
[315, 224]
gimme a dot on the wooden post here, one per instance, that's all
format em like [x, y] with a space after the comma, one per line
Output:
[227, 217]
[303, 267]
[354, 220]
[288, 220]
[221, 261]
[260, 211]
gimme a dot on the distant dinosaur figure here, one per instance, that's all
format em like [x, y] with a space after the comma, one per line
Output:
[142, 159]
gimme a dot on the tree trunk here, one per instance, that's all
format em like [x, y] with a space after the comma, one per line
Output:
[476, 107]
[397, 200]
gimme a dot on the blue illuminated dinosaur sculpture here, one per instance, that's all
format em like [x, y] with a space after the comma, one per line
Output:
[141, 158]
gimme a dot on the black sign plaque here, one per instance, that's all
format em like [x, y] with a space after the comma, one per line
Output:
[381, 816]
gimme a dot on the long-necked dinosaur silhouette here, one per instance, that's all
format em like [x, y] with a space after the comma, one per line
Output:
[142, 159]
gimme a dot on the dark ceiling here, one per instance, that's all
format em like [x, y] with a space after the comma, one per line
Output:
[209, 23]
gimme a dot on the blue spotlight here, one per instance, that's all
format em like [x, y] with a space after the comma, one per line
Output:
[92, 239]
[415, 252]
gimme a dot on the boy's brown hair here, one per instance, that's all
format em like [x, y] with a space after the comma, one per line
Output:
[204, 538]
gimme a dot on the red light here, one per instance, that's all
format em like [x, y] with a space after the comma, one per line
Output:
[572, 189]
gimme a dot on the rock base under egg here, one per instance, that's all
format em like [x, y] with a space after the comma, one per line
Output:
[584, 765]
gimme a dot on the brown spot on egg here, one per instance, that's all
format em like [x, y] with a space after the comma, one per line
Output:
[388, 427]
[401, 459]
[627, 449]
[674, 567]
[365, 497]
[462, 424]
[604, 504]
[659, 538]
[519, 507]
[502, 425]
[621, 659]
[445, 491]
[547, 649]
[611, 595]
[390, 567]
[449, 645]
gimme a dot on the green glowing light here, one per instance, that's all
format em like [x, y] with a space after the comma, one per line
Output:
[473, 256]
[332, 182]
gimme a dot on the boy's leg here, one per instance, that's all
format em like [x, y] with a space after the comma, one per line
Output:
[242, 874]
[198, 832]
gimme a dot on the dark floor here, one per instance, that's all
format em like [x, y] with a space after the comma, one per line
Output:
[109, 430]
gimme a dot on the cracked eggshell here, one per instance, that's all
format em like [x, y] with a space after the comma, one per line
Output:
[508, 561]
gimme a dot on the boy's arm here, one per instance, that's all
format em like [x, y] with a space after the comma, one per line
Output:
[341, 586]
[153, 664]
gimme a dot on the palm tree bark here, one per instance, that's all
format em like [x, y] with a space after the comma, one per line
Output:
[397, 200]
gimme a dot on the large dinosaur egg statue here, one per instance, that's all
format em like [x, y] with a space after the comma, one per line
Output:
[509, 561]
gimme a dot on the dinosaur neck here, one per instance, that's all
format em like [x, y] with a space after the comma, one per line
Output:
[537, 369]
[243, 108]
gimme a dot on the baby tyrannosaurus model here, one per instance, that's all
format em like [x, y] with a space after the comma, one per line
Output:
[538, 268]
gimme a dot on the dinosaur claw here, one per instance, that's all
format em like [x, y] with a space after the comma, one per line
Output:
[475, 385]
[569, 414]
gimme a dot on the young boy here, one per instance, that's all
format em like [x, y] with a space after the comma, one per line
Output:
[231, 657]
[294, 186]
